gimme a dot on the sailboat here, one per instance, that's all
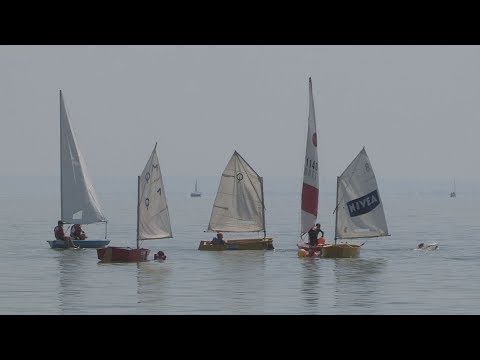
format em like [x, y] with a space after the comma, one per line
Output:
[196, 193]
[454, 192]
[153, 219]
[79, 203]
[239, 207]
[310, 186]
[359, 212]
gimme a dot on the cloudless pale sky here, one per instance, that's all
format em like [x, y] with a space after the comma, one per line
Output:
[416, 109]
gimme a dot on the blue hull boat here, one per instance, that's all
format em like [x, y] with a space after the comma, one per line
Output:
[84, 244]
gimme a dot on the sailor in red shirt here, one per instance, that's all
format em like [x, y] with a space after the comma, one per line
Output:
[60, 235]
[77, 233]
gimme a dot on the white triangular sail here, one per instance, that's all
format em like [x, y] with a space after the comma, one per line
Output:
[239, 205]
[359, 212]
[79, 202]
[309, 207]
[153, 216]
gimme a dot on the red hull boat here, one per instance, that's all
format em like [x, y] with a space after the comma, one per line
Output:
[122, 254]
[153, 219]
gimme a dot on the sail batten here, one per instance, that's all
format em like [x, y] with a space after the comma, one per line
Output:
[79, 202]
[238, 205]
[359, 212]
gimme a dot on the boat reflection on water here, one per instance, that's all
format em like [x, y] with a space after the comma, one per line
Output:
[88, 286]
[356, 284]
[312, 289]
[74, 280]
[234, 283]
[346, 283]
[153, 282]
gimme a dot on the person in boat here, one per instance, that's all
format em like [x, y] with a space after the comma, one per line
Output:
[77, 233]
[60, 235]
[313, 235]
[159, 256]
[421, 246]
[218, 240]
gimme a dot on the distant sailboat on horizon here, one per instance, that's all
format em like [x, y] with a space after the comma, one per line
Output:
[196, 193]
[454, 192]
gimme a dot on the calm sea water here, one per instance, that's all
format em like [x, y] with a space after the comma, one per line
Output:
[388, 277]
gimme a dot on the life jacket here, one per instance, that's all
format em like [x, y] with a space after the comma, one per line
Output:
[312, 233]
[75, 230]
[59, 234]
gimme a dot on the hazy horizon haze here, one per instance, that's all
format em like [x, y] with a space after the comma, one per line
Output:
[414, 108]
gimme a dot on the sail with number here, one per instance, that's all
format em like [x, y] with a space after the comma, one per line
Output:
[239, 205]
[153, 215]
[309, 206]
[153, 219]
[360, 212]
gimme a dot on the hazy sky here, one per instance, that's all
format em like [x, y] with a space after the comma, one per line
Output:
[416, 109]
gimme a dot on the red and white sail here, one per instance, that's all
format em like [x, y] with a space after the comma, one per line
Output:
[310, 171]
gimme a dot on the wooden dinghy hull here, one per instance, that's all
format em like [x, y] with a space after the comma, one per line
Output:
[239, 244]
[305, 253]
[307, 247]
[122, 254]
[341, 251]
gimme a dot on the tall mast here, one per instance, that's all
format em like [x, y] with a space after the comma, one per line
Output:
[138, 208]
[61, 177]
[336, 212]
[263, 209]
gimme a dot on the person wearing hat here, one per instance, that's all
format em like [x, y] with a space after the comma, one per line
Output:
[313, 235]
[218, 240]
[60, 235]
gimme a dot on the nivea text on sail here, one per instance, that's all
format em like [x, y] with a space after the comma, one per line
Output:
[364, 204]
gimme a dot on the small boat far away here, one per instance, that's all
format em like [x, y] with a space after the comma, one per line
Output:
[78, 201]
[153, 219]
[196, 193]
[454, 192]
